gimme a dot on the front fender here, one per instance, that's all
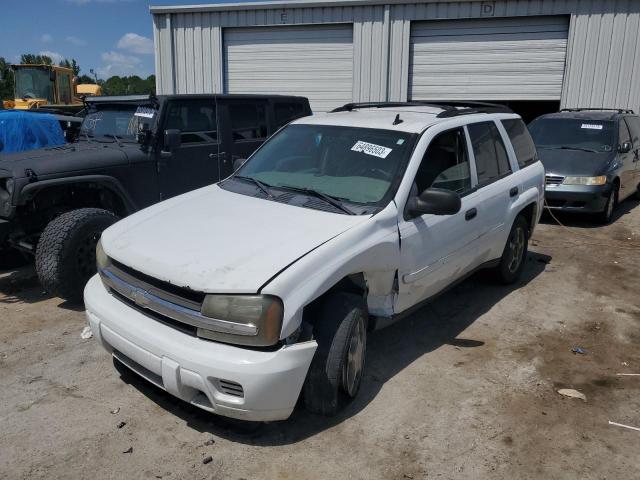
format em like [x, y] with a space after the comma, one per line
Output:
[371, 248]
[110, 183]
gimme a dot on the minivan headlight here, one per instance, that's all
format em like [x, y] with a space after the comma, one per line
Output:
[253, 320]
[600, 180]
[102, 260]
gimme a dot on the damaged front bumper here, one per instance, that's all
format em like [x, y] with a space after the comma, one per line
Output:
[242, 383]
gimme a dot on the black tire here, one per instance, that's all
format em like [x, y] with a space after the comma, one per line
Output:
[65, 255]
[606, 215]
[340, 316]
[515, 252]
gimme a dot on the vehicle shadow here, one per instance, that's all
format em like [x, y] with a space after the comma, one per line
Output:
[582, 220]
[21, 285]
[389, 351]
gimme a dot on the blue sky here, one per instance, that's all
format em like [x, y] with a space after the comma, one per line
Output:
[114, 37]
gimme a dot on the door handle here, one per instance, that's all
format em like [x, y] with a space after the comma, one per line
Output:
[513, 192]
[219, 155]
[469, 214]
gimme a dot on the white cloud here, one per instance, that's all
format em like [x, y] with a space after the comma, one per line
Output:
[76, 41]
[46, 38]
[116, 63]
[55, 56]
[135, 43]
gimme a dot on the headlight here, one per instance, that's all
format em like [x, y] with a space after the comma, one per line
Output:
[601, 180]
[102, 260]
[253, 320]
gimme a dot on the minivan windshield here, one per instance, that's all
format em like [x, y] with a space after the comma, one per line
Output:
[351, 164]
[572, 133]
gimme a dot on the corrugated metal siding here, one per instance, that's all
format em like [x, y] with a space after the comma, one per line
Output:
[519, 58]
[313, 61]
[595, 68]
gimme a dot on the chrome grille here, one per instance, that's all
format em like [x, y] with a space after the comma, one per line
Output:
[553, 180]
[162, 304]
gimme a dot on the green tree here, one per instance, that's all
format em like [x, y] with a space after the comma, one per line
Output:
[132, 85]
[6, 80]
[33, 59]
[72, 65]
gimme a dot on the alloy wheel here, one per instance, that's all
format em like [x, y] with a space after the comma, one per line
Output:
[516, 248]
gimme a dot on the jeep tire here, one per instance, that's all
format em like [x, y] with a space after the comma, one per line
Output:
[514, 255]
[66, 251]
[338, 364]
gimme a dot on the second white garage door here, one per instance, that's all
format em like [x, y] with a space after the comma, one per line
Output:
[488, 59]
[312, 61]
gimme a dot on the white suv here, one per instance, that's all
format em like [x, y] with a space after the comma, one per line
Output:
[240, 296]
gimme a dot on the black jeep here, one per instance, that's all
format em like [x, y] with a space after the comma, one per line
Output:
[132, 152]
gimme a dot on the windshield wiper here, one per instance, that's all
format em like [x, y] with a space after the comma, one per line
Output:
[564, 147]
[115, 137]
[262, 186]
[323, 196]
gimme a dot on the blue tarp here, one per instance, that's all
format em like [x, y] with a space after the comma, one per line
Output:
[20, 131]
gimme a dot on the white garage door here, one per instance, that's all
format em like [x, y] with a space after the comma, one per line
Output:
[313, 61]
[488, 59]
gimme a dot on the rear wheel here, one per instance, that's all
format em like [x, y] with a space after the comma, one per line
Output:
[338, 364]
[515, 252]
[66, 251]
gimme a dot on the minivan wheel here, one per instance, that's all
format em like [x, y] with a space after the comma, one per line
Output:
[515, 252]
[338, 364]
[66, 251]
[612, 201]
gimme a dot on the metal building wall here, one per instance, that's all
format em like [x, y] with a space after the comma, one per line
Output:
[603, 57]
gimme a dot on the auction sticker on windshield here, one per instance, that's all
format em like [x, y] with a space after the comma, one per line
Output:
[592, 126]
[371, 149]
[145, 112]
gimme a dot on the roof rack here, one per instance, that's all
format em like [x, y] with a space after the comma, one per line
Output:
[450, 108]
[587, 109]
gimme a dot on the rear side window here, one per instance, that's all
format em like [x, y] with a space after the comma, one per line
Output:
[521, 141]
[195, 120]
[287, 112]
[248, 121]
[491, 155]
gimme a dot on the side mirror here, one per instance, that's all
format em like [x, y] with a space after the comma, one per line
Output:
[238, 162]
[435, 201]
[625, 147]
[172, 139]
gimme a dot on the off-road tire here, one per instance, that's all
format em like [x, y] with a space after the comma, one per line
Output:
[606, 215]
[507, 272]
[65, 255]
[336, 323]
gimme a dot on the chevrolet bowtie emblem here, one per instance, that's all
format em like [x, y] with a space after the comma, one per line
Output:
[140, 297]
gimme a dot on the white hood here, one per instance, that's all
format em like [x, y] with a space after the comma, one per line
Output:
[212, 240]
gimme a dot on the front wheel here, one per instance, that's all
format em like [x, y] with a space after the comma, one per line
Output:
[612, 201]
[66, 251]
[515, 252]
[338, 364]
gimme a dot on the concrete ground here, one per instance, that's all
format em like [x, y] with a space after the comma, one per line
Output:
[464, 388]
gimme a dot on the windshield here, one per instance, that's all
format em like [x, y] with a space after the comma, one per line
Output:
[110, 120]
[552, 133]
[33, 83]
[354, 164]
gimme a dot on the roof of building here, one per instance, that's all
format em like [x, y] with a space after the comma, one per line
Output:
[414, 119]
[270, 4]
